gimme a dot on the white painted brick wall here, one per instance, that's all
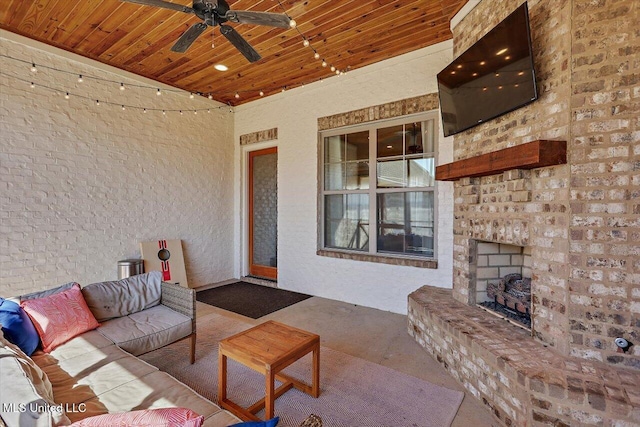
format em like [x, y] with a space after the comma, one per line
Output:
[81, 185]
[295, 114]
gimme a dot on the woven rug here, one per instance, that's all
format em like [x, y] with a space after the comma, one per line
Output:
[353, 391]
[249, 299]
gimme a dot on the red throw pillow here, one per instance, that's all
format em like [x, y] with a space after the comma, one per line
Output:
[60, 317]
[162, 417]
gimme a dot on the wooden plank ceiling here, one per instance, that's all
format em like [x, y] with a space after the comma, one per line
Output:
[138, 38]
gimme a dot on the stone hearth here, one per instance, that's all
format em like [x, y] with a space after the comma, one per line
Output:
[522, 381]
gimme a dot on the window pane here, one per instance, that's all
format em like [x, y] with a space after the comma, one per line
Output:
[390, 141]
[421, 172]
[334, 176]
[357, 175]
[429, 136]
[358, 146]
[334, 149]
[413, 138]
[391, 174]
[405, 223]
[347, 221]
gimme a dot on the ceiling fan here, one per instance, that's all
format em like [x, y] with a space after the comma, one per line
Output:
[217, 13]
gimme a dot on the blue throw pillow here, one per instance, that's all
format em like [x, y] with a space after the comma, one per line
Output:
[268, 423]
[17, 327]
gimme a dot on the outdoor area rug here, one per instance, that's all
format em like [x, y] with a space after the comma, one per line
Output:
[353, 391]
[249, 299]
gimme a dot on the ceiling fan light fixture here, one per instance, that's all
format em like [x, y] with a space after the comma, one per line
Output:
[221, 67]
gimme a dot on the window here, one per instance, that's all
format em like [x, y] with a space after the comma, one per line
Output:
[378, 187]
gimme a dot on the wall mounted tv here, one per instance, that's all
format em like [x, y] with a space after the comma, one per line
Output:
[491, 78]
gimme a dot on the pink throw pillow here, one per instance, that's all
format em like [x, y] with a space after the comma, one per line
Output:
[60, 317]
[162, 417]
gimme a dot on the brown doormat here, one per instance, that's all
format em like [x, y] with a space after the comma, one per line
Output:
[249, 299]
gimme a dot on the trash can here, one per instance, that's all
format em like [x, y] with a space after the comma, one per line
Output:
[130, 267]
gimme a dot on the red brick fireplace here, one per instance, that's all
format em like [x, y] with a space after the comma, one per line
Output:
[576, 219]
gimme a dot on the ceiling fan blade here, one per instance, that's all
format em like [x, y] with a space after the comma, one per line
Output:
[162, 4]
[189, 37]
[240, 43]
[258, 18]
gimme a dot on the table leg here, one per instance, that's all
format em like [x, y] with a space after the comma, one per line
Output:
[315, 385]
[270, 378]
[222, 378]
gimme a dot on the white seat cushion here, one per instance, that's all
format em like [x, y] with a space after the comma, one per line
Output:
[147, 330]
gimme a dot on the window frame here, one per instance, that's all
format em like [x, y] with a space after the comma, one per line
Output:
[373, 191]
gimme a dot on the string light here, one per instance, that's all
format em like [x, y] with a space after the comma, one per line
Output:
[33, 85]
[305, 42]
[66, 96]
[123, 108]
[97, 102]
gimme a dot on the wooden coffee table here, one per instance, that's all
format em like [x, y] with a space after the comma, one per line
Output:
[268, 348]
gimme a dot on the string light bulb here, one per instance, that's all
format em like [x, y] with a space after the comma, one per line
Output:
[144, 111]
[33, 68]
[333, 68]
[123, 108]
[210, 96]
[292, 23]
[324, 63]
[80, 78]
[195, 111]
[261, 93]
[97, 102]
[305, 43]
[159, 92]
[164, 113]
[337, 72]
[32, 85]
[121, 86]
[66, 96]
[191, 95]
[237, 95]
[316, 55]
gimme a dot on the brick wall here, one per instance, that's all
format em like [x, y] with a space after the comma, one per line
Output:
[580, 220]
[604, 228]
[81, 185]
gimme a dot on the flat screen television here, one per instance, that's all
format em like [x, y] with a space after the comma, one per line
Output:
[491, 78]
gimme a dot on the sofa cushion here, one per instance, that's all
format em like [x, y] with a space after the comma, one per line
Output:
[45, 293]
[60, 317]
[91, 374]
[17, 326]
[26, 395]
[85, 343]
[155, 390]
[161, 417]
[147, 330]
[108, 300]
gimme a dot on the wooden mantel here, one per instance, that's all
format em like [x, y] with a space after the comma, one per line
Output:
[531, 155]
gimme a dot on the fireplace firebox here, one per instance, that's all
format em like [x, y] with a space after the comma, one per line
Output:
[503, 280]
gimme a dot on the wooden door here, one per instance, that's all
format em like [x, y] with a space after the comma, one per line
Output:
[263, 213]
